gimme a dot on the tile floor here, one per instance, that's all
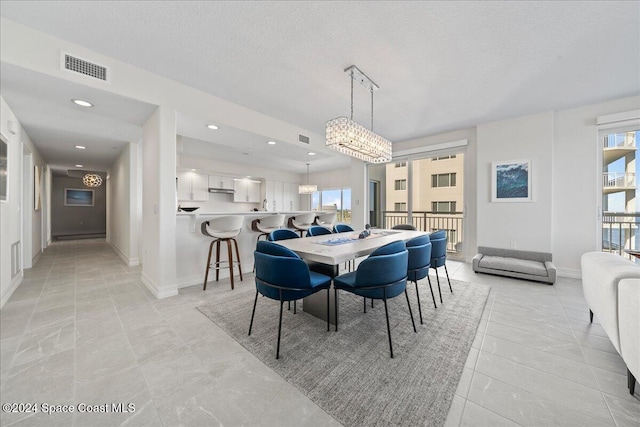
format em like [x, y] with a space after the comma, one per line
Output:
[83, 329]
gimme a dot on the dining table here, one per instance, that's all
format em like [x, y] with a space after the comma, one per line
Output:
[338, 248]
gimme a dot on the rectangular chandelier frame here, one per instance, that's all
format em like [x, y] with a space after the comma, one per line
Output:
[348, 137]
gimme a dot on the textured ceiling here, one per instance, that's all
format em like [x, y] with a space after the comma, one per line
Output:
[440, 65]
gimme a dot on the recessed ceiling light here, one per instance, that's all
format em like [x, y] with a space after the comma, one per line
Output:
[193, 170]
[82, 103]
[271, 142]
[212, 127]
[311, 153]
[81, 147]
[79, 166]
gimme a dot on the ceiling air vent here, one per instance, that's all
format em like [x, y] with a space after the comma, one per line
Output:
[73, 63]
[303, 138]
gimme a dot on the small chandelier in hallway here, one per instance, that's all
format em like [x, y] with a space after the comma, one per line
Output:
[92, 180]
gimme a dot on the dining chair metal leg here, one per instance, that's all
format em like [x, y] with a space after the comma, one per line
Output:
[253, 312]
[431, 289]
[335, 306]
[438, 279]
[448, 280]
[279, 328]
[418, 297]
[410, 312]
[365, 304]
[386, 313]
[328, 311]
[294, 307]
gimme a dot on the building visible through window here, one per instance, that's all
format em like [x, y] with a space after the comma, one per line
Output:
[443, 207]
[443, 180]
[400, 206]
[400, 184]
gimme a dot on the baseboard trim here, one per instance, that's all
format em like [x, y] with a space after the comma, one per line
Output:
[156, 290]
[36, 258]
[572, 273]
[131, 262]
[14, 285]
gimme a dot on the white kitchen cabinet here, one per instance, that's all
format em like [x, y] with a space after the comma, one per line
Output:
[247, 191]
[221, 181]
[291, 197]
[275, 195]
[192, 186]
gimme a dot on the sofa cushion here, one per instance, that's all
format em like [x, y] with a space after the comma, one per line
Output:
[514, 264]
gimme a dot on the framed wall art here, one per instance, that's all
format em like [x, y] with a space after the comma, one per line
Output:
[78, 197]
[511, 181]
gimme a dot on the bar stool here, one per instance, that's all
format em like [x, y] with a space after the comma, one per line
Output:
[302, 222]
[223, 229]
[326, 220]
[267, 224]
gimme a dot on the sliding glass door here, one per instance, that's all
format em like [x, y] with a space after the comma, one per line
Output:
[426, 192]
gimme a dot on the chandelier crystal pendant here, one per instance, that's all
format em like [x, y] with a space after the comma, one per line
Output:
[92, 180]
[348, 137]
[307, 188]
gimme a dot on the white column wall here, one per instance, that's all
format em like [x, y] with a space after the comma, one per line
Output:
[159, 203]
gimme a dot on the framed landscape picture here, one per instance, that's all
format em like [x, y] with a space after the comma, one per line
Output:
[78, 197]
[511, 181]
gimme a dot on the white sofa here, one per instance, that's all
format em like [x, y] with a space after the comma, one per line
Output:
[629, 307]
[611, 286]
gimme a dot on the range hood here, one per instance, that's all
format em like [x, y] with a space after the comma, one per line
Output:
[222, 190]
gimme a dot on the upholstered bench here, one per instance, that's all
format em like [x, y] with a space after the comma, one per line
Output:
[529, 265]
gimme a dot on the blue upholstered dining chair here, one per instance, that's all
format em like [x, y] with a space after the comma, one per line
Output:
[419, 263]
[282, 234]
[283, 276]
[342, 228]
[383, 275]
[318, 230]
[439, 255]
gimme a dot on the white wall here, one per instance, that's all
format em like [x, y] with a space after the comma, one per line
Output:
[10, 230]
[77, 220]
[122, 226]
[575, 184]
[524, 225]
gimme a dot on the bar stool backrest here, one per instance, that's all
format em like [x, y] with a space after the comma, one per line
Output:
[223, 226]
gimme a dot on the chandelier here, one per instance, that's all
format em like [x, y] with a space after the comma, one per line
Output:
[348, 137]
[307, 188]
[92, 180]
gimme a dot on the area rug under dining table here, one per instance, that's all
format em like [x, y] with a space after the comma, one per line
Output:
[349, 373]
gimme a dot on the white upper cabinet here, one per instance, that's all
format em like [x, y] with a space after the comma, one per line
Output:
[246, 191]
[221, 181]
[192, 186]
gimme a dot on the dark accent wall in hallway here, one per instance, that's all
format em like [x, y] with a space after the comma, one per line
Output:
[77, 220]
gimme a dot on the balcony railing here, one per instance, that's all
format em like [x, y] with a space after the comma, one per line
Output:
[625, 140]
[618, 179]
[620, 232]
[430, 221]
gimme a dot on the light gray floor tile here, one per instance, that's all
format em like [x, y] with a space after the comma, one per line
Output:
[578, 397]
[455, 412]
[476, 415]
[625, 409]
[543, 361]
[526, 408]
